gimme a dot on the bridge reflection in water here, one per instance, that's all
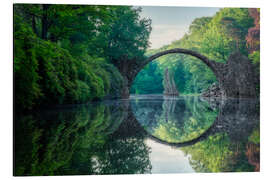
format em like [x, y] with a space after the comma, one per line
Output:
[194, 119]
[145, 134]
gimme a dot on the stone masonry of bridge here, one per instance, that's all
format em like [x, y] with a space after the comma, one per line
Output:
[235, 77]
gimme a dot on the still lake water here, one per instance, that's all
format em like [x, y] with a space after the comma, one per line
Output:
[145, 134]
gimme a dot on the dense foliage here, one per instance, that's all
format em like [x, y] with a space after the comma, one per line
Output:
[67, 53]
[149, 76]
[216, 37]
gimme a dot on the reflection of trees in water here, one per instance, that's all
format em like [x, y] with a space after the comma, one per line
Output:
[174, 119]
[228, 148]
[171, 111]
[253, 155]
[68, 141]
[232, 142]
[124, 156]
[107, 139]
[211, 155]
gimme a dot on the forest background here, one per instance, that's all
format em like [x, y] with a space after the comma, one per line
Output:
[66, 54]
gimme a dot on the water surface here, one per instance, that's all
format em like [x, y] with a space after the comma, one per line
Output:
[145, 134]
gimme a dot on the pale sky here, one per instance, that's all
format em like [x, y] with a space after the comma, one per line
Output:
[171, 23]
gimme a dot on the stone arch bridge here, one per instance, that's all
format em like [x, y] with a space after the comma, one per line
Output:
[235, 77]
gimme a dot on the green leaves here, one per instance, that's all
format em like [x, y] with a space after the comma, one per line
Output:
[143, 83]
[68, 63]
[215, 37]
[128, 34]
[25, 67]
[216, 44]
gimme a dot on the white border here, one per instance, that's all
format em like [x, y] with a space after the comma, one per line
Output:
[6, 84]
[200, 3]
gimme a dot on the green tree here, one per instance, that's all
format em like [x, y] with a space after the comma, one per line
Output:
[128, 35]
[143, 83]
[64, 53]
[215, 37]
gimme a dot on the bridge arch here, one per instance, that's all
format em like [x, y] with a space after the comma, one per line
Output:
[235, 77]
[130, 75]
[214, 66]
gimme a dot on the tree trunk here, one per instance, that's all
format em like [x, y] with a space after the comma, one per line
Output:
[44, 21]
[34, 25]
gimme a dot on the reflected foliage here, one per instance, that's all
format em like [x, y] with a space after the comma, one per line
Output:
[174, 119]
[234, 145]
[128, 154]
[77, 140]
[109, 137]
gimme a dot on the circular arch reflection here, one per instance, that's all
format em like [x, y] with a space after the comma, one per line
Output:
[178, 122]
